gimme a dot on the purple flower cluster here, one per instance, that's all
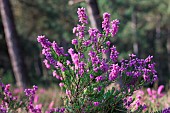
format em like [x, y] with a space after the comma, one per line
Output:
[114, 72]
[56, 75]
[99, 78]
[74, 41]
[114, 54]
[97, 62]
[144, 99]
[135, 68]
[58, 50]
[9, 103]
[127, 102]
[47, 50]
[54, 110]
[104, 65]
[3, 108]
[94, 58]
[79, 31]
[46, 63]
[94, 35]
[96, 103]
[74, 57]
[135, 103]
[7, 98]
[30, 93]
[81, 68]
[82, 15]
[113, 29]
[106, 23]
[44, 42]
[167, 110]
[154, 95]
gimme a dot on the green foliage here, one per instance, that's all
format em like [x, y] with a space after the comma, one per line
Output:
[7, 78]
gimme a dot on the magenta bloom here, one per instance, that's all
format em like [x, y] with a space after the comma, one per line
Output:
[75, 60]
[155, 94]
[114, 54]
[46, 63]
[93, 32]
[114, 27]
[160, 88]
[31, 94]
[114, 72]
[99, 78]
[44, 41]
[68, 92]
[68, 62]
[7, 87]
[104, 66]
[108, 43]
[61, 66]
[79, 31]
[87, 43]
[61, 84]
[149, 59]
[96, 103]
[82, 15]
[74, 41]
[58, 50]
[106, 23]
[71, 51]
[167, 110]
[51, 104]
[36, 98]
[56, 75]
[91, 76]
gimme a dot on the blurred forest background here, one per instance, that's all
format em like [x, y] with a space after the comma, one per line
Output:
[144, 30]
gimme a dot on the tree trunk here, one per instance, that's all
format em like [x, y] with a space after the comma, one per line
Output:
[168, 50]
[159, 52]
[134, 26]
[12, 43]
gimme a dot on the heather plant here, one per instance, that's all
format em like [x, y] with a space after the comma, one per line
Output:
[85, 74]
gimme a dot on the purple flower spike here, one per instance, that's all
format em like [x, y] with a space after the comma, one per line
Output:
[99, 78]
[82, 15]
[167, 110]
[61, 84]
[114, 72]
[114, 54]
[106, 23]
[108, 43]
[59, 50]
[91, 76]
[44, 41]
[46, 63]
[96, 103]
[74, 41]
[160, 88]
[79, 31]
[114, 27]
